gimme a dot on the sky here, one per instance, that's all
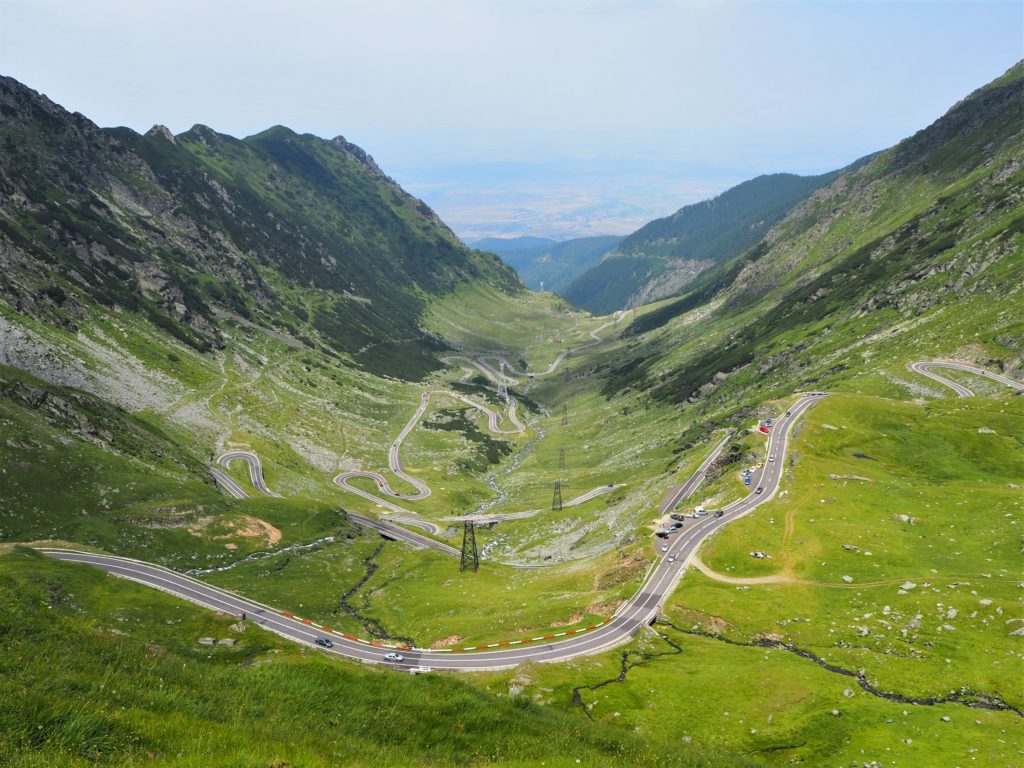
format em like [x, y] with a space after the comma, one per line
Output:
[554, 118]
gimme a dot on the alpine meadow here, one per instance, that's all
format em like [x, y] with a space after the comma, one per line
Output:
[293, 475]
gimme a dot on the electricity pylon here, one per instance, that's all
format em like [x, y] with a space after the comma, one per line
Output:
[470, 559]
[556, 497]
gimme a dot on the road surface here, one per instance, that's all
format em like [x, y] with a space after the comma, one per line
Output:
[386, 494]
[924, 367]
[226, 482]
[398, 533]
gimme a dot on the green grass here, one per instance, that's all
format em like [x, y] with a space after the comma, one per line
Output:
[96, 671]
[423, 596]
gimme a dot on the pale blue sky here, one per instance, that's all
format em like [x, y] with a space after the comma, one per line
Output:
[539, 117]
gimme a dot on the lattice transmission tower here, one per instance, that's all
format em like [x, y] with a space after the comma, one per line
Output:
[470, 559]
[556, 497]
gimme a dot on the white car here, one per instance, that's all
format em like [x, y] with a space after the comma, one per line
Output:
[392, 656]
[772, 457]
[664, 547]
[671, 558]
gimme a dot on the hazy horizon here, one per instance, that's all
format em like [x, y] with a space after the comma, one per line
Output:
[529, 118]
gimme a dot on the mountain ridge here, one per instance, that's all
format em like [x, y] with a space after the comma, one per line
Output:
[172, 225]
[666, 254]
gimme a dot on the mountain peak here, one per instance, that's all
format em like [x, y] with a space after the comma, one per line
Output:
[163, 131]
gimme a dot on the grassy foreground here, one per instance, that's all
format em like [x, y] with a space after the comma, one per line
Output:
[896, 545]
[102, 672]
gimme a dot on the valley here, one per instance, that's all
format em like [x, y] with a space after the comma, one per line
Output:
[272, 395]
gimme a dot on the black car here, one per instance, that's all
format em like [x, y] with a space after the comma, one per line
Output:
[676, 526]
[324, 642]
[719, 512]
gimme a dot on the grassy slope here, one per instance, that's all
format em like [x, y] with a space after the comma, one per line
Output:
[101, 672]
[690, 241]
[948, 633]
[928, 229]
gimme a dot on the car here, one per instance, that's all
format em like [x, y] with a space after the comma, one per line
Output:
[324, 642]
[719, 512]
[662, 534]
[392, 656]
[772, 457]
[787, 413]
[677, 516]
[760, 489]
[700, 513]
[676, 526]
[671, 558]
[664, 547]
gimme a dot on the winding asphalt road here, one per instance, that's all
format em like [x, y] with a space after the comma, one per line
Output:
[635, 613]
[255, 474]
[925, 369]
[494, 418]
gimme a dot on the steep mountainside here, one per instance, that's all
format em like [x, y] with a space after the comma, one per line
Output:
[667, 254]
[304, 234]
[547, 263]
[924, 242]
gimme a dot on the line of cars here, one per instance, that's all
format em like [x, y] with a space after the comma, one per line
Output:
[678, 520]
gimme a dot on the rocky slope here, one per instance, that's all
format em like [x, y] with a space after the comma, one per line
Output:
[299, 233]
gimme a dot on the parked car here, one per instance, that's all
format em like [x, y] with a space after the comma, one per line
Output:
[676, 526]
[324, 642]
[392, 656]
[677, 516]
